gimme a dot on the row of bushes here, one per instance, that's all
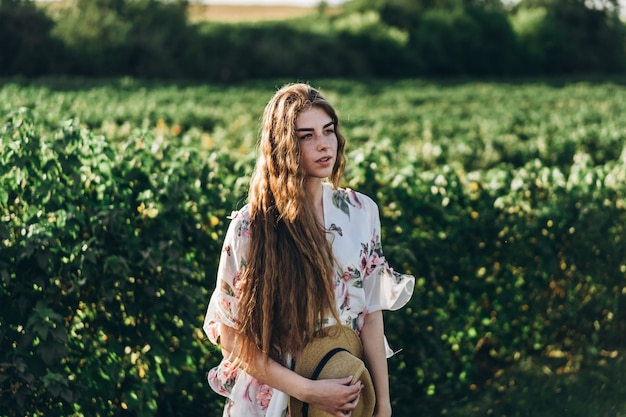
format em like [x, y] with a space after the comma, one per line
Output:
[105, 262]
[471, 125]
[151, 38]
[108, 256]
[511, 262]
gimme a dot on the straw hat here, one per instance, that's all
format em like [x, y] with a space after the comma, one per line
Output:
[337, 353]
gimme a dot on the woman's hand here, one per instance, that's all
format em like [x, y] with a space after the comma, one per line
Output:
[333, 396]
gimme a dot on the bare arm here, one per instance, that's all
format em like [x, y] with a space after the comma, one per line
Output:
[333, 396]
[372, 336]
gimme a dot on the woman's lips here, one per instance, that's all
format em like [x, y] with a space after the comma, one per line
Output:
[325, 160]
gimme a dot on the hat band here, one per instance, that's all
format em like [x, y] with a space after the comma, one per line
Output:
[318, 371]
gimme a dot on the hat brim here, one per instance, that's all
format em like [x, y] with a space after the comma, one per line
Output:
[336, 353]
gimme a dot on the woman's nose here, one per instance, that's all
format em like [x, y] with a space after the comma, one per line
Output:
[322, 141]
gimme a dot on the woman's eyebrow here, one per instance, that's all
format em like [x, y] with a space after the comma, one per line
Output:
[310, 129]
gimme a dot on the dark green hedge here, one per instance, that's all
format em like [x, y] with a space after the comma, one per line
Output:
[154, 39]
[106, 262]
[109, 252]
[511, 262]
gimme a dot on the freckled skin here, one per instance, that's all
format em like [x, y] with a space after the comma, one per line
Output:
[318, 142]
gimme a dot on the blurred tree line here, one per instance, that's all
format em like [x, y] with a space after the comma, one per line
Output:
[384, 38]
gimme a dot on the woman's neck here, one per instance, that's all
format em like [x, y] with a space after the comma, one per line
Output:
[315, 195]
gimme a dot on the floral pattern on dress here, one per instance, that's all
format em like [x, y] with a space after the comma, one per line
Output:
[344, 198]
[259, 393]
[363, 283]
[243, 228]
[371, 255]
[351, 277]
[223, 377]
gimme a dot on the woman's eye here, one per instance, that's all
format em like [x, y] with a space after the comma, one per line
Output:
[330, 131]
[307, 136]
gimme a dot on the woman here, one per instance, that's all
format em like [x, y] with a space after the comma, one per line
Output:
[302, 254]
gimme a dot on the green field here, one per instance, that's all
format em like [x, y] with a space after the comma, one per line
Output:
[506, 199]
[476, 125]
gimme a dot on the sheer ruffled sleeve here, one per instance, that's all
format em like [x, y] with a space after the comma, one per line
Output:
[385, 289]
[224, 300]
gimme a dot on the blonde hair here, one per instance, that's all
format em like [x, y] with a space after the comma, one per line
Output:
[287, 284]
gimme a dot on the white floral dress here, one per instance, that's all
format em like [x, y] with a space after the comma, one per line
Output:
[364, 283]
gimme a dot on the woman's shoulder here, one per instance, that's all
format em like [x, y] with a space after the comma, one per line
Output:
[240, 222]
[352, 202]
[240, 215]
[345, 195]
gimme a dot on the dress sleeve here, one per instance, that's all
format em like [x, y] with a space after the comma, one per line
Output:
[385, 289]
[224, 301]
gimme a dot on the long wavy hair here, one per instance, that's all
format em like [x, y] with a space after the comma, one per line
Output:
[287, 284]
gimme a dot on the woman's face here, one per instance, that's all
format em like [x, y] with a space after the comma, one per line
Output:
[318, 142]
